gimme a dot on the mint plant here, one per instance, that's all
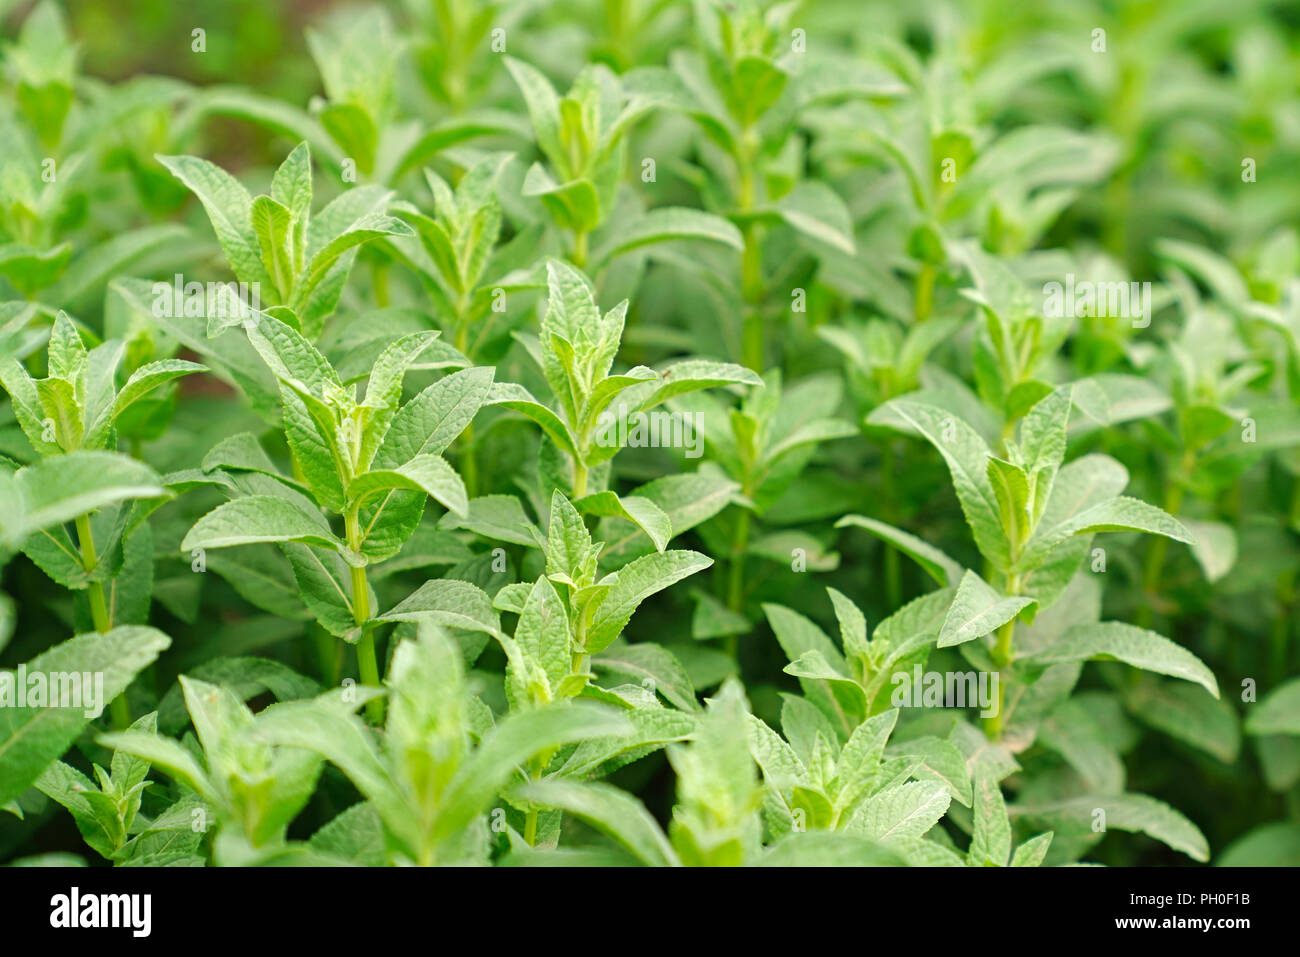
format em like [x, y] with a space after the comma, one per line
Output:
[729, 434]
[370, 460]
[300, 262]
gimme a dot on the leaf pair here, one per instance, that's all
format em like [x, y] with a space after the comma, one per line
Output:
[576, 350]
[254, 789]
[76, 405]
[296, 260]
[430, 783]
[372, 459]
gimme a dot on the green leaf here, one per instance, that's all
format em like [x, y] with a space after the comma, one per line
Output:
[991, 844]
[860, 757]
[1072, 731]
[291, 185]
[687, 500]
[853, 624]
[1125, 812]
[691, 375]
[1189, 714]
[543, 631]
[431, 421]
[323, 582]
[935, 759]
[568, 542]
[343, 740]
[167, 756]
[647, 661]
[372, 225]
[642, 512]
[355, 835]
[1115, 640]
[966, 455]
[272, 224]
[456, 604]
[59, 489]
[511, 743]
[1215, 547]
[939, 566]
[497, 517]
[1269, 845]
[1124, 514]
[32, 737]
[516, 397]
[1032, 852]
[430, 474]
[543, 105]
[827, 849]
[977, 610]
[228, 206]
[149, 377]
[670, 223]
[908, 810]
[815, 210]
[609, 810]
[826, 686]
[1278, 712]
[637, 581]
[260, 518]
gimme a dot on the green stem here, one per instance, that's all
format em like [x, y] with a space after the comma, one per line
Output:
[923, 303]
[579, 255]
[1003, 654]
[1155, 558]
[380, 276]
[327, 648]
[1281, 632]
[751, 259]
[893, 567]
[367, 662]
[468, 461]
[89, 559]
[736, 574]
[751, 286]
[579, 478]
[119, 709]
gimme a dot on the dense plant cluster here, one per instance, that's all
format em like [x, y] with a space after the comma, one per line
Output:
[671, 433]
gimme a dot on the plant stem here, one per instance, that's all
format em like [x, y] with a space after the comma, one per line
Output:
[1003, 654]
[751, 285]
[579, 255]
[736, 573]
[893, 567]
[579, 478]
[367, 663]
[1281, 633]
[468, 461]
[119, 709]
[923, 302]
[1155, 560]
[751, 259]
